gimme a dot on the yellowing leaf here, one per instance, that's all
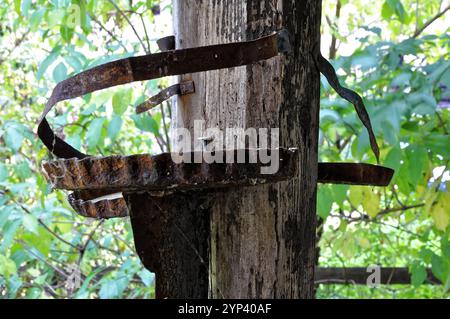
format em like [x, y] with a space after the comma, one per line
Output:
[365, 196]
[7, 266]
[356, 195]
[441, 212]
[371, 203]
[363, 242]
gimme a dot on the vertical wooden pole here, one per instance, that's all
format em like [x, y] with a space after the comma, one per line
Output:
[262, 238]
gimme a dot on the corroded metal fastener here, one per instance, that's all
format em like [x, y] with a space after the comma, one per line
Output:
[166, 43]
[183, 88]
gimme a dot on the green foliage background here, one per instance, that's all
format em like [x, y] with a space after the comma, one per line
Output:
[398, 61]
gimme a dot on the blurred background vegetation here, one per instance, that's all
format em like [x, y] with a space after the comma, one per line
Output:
[394, 52]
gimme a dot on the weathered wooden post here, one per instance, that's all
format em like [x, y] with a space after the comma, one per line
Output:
[223, 230]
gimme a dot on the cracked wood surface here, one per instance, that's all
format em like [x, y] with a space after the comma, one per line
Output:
[262, 238]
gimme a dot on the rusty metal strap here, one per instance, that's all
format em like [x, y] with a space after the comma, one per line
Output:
[354, 174]
[328, 71]
[153, 66]
[183, 88]
[102, 204]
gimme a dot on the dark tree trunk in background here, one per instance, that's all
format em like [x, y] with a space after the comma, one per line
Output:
[262, 238]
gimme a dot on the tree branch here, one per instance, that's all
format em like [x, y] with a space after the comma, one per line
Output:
[147, 50]
[333, 46]
[429, 22]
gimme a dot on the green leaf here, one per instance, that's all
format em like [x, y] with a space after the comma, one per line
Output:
[17, 6]
[54, 17]
[417, 158]
[339, 193]
[356, 195]
[66, 33]
[30, 223]
[147, 277]
[418, 275]
[23, 170]
[75, 63]
[8, 233]
[114, 127]
[109, 290]
[121, 100]
[47, 62]
[36, 19]
[146, 123]
[371, 203]
[14, 137]
[60, 72]
[394, 6]
[324, 201]
[25, 6]
[393, 159]
[94, 134]
[3, 172]
[439, 267]
[7, 266]
[386, 11]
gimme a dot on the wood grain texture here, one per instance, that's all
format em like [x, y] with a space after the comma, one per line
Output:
[262, 238]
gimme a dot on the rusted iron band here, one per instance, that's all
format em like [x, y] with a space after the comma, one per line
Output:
[354, 174]
[328, 71]
[94, 179]
[182, 88]
[101, 208]
[153, 66]
[92, 203]
[97, 176]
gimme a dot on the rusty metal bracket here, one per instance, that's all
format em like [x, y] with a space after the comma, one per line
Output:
[183, 88]
[153, 66]
[96, 202]
[354, 174]
[105, 207]
[94, 177]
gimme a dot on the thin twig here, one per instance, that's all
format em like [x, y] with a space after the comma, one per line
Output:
[429, 22]
[166, 133]
[47, 228]
[107, 31]
[333, 46]
[91, 234]
[131, 25]
[31, 252]
[145, 30]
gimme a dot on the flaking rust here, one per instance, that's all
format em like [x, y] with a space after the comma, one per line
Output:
[183, 88]
[94, 179]
[99, 176]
